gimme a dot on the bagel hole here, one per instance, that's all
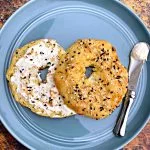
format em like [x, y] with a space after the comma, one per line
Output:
[43, 73]
[89, 71]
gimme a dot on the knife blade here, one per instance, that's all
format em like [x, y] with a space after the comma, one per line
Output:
[134, 73]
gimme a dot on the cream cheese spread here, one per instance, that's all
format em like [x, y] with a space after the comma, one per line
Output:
[43, 95]
[140, 51]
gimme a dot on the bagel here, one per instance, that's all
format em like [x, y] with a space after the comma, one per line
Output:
[27, 87]
[98, 95]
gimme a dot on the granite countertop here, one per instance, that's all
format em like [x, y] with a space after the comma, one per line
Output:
[142, 8]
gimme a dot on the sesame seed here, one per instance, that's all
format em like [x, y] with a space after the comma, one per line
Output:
[41, 53]
[113, 49]
[102, 54]
[29, 87]
[101, 108]
[50, 99]
[102, 49]
[118, 77]
[80, 95]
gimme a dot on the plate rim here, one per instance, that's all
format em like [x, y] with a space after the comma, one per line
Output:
[121, 4]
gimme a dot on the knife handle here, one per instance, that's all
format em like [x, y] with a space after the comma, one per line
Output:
[120, 127]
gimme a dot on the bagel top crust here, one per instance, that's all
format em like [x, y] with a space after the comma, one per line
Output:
[98, 95]
[27, 87]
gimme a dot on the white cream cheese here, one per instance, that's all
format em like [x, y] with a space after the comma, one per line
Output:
[29, 83]
[140, 51]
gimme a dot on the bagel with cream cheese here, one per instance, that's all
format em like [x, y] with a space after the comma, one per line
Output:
[27, 87]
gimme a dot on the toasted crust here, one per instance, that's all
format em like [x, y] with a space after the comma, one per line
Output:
[19, 53]
[98, 95]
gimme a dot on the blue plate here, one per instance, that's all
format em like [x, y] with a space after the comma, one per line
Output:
[67, 21]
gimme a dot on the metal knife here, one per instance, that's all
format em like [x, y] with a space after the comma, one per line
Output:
[134, 73]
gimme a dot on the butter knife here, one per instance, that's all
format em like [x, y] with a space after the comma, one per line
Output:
[137, 59]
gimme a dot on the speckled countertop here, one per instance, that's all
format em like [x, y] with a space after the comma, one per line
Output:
[142, 8]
